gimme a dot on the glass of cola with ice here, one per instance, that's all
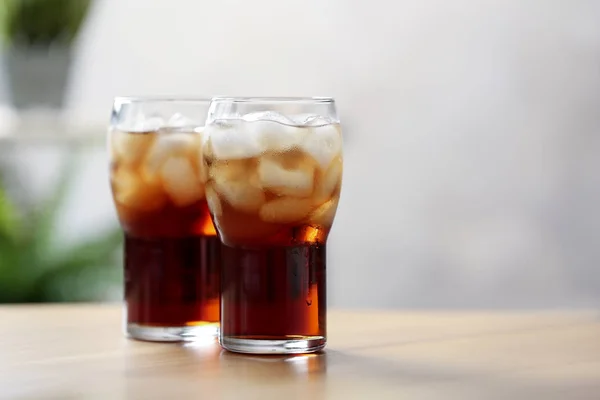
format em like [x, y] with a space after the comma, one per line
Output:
[172, 254]
[274, 181]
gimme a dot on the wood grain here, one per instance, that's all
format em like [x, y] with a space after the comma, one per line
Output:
[79, 352]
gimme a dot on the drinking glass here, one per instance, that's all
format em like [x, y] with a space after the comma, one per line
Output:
[274, 180]
[172, 253]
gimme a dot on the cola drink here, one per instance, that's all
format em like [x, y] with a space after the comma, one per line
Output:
[273, 189]
[172, 253]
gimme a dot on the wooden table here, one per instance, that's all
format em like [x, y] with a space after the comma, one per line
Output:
[78, 352]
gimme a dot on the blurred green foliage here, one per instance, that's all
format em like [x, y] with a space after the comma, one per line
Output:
[41, 22]
[34, 268]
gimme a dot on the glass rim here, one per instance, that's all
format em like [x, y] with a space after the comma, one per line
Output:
[274, 99]
[159, 99]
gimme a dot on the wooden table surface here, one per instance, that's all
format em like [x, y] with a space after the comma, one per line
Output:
[78, 352]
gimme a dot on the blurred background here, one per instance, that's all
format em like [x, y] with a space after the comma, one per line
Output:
[472, 137]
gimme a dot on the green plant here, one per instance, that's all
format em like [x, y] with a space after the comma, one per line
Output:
[34, 269]
[42, 22]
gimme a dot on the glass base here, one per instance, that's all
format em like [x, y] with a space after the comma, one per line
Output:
[293, 345]
[171, 333]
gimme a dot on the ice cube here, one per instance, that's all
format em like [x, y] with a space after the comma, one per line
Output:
[274, 131]
[285, 210]
[131, 191]
[329, 181]
[323, 144]
[324, 215]
[229, 142]
[236, 183]
[311, 120]
[213, 201]
[231, 170]
[142, 123]
[289, 182]
[165, 146]
[129, 148]
[273, 136]
[175, 143]
[207, 147]
[202, 169]
[200, 161]
[181, 121]
[271, 116]
[180, 181]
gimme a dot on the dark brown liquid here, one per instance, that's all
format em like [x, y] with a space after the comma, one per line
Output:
[273, 293]
[172, 252]
[172, 266]
[172, 281]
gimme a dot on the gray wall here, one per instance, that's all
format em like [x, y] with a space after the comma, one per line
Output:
[472, 131]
